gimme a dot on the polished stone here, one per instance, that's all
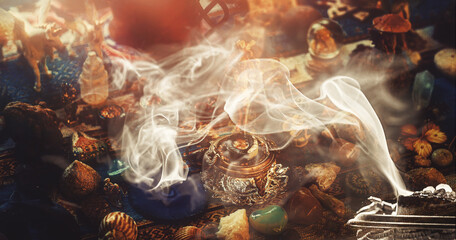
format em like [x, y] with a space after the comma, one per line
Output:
[270, 220]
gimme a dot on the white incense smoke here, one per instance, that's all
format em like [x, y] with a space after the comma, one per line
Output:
[275, 106]
[169, 117]
[256, 95]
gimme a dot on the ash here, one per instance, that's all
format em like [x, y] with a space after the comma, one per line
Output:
[442, 193]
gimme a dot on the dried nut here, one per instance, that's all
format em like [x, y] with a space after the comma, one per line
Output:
[442, 157]
[304, 208]
[118, 226]
[344, 152]
[423, 177]
[323, 173]
[79, 180]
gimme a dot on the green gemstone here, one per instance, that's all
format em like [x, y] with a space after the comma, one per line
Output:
[269, 220]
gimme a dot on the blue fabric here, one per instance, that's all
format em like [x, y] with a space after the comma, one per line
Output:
[18, 78]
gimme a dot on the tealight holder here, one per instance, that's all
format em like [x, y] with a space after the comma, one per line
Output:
[112, 119]
[240, 169]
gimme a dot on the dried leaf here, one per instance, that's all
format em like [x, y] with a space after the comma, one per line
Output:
[409, 130]
[408, 143]
[422, 147]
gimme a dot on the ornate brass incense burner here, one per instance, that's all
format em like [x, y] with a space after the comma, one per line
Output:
[241, 169]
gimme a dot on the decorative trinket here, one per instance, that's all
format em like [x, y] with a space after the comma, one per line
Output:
[304, 208]
[270, 220]
[36, 45]
[388, 33]
[324, 40]
[234, 226]
[87, 149]
[8, 29]
[117, 168]
[79, 180]
[240, 169]
[94, 80]
[118, 226]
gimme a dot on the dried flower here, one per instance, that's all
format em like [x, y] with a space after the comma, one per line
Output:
[435, 136]
[422, 161]
[430, 134]
[422, 147]
[429, 126]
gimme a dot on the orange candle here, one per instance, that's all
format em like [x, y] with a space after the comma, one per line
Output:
[143, 23]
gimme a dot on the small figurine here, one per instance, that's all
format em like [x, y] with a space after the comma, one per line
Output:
[7, 24]
[37, 45]
[95, 39]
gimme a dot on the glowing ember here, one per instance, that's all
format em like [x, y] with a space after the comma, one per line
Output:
[241, 144]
